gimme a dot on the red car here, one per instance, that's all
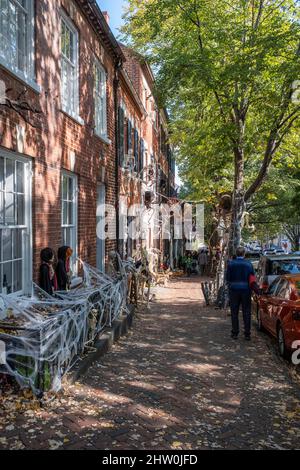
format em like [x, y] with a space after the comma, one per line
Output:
[279, 312]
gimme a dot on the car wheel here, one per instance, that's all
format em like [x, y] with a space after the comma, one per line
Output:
[283, 351]
[260, 326]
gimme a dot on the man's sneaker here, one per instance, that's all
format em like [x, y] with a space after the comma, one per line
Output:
[234, 336]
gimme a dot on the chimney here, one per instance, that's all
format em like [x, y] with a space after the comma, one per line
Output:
[106, 16]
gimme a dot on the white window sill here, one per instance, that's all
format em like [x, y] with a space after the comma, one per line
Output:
[104, 138]
[20, 76]
[73, 116]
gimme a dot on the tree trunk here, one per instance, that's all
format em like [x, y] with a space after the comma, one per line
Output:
[293, 234]
[238, 204]
[238, 208]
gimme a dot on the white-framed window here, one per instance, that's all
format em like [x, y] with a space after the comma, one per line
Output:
[69, 67]
[15, 224]
[100, 100]
[69, 214]
[17, 38]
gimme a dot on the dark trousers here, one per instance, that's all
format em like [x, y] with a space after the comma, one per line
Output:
[237, 299]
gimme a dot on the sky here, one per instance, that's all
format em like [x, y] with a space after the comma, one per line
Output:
[115, 10]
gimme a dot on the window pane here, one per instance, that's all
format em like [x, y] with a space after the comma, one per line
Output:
[7, 276]
[23, 3]
[65, 188]
[69, 87]
[21, 40]
[17, 239]
[100, 101]
[70, 215]
[1, 172]
[7, 245]
[71, 189]
[69, 209]
[18, 284]
[67, 237]
[72, 47]
[10, 171]
[65, 218]
[9, 209]
[1, 208]
[68, 42]
[63, 37]
[20, 209]
[20, 177]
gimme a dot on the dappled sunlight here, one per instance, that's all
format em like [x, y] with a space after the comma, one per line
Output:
[205, 369]
[155, 413]
[268, 384]
[142, 385]
[176, 379]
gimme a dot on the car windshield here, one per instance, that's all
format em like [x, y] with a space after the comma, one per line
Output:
[287, 266]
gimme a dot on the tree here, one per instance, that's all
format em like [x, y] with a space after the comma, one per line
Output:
[276, 208]
[228, 71]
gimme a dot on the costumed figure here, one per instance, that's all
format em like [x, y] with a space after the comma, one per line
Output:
[63, 270]
[48, 279]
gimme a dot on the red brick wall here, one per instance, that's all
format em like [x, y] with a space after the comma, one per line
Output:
[50, 144]
[129, 187]
[136, 71]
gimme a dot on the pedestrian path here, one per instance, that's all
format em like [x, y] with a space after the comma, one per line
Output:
[177, 381]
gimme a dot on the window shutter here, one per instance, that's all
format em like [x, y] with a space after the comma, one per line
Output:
[121, 136]
[136, 149]
[129, 135]
[142, 155]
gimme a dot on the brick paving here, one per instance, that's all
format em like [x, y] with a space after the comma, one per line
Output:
[177, 381]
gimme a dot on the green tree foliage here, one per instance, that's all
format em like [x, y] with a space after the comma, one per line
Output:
[227, 71]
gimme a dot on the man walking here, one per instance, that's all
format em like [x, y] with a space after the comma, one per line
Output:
[240, 274]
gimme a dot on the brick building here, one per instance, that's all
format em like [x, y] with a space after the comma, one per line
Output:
[131, 115]
[157, 170]
[58, 63]
[77, 128]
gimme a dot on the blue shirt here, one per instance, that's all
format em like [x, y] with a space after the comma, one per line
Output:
[238, 273]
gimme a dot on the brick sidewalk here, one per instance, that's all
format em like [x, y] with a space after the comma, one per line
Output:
[177, 381]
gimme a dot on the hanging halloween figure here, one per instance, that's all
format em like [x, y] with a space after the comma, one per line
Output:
[47, 280]
[63, 270]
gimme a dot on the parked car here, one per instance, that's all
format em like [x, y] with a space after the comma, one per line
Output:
[279, 312]
[254, 258]
[280, 251]
[272, 266]
[269, 252]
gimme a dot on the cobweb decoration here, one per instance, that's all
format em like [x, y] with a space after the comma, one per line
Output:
[44, 336]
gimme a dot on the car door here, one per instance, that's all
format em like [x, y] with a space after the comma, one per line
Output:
[266, 304]
[292, 319]
[280, 304]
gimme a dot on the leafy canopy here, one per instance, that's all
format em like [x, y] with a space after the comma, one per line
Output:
[224, 70]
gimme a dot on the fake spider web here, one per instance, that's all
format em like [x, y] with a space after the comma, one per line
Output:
[46, 335]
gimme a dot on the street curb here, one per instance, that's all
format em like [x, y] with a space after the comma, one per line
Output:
[103, 345]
